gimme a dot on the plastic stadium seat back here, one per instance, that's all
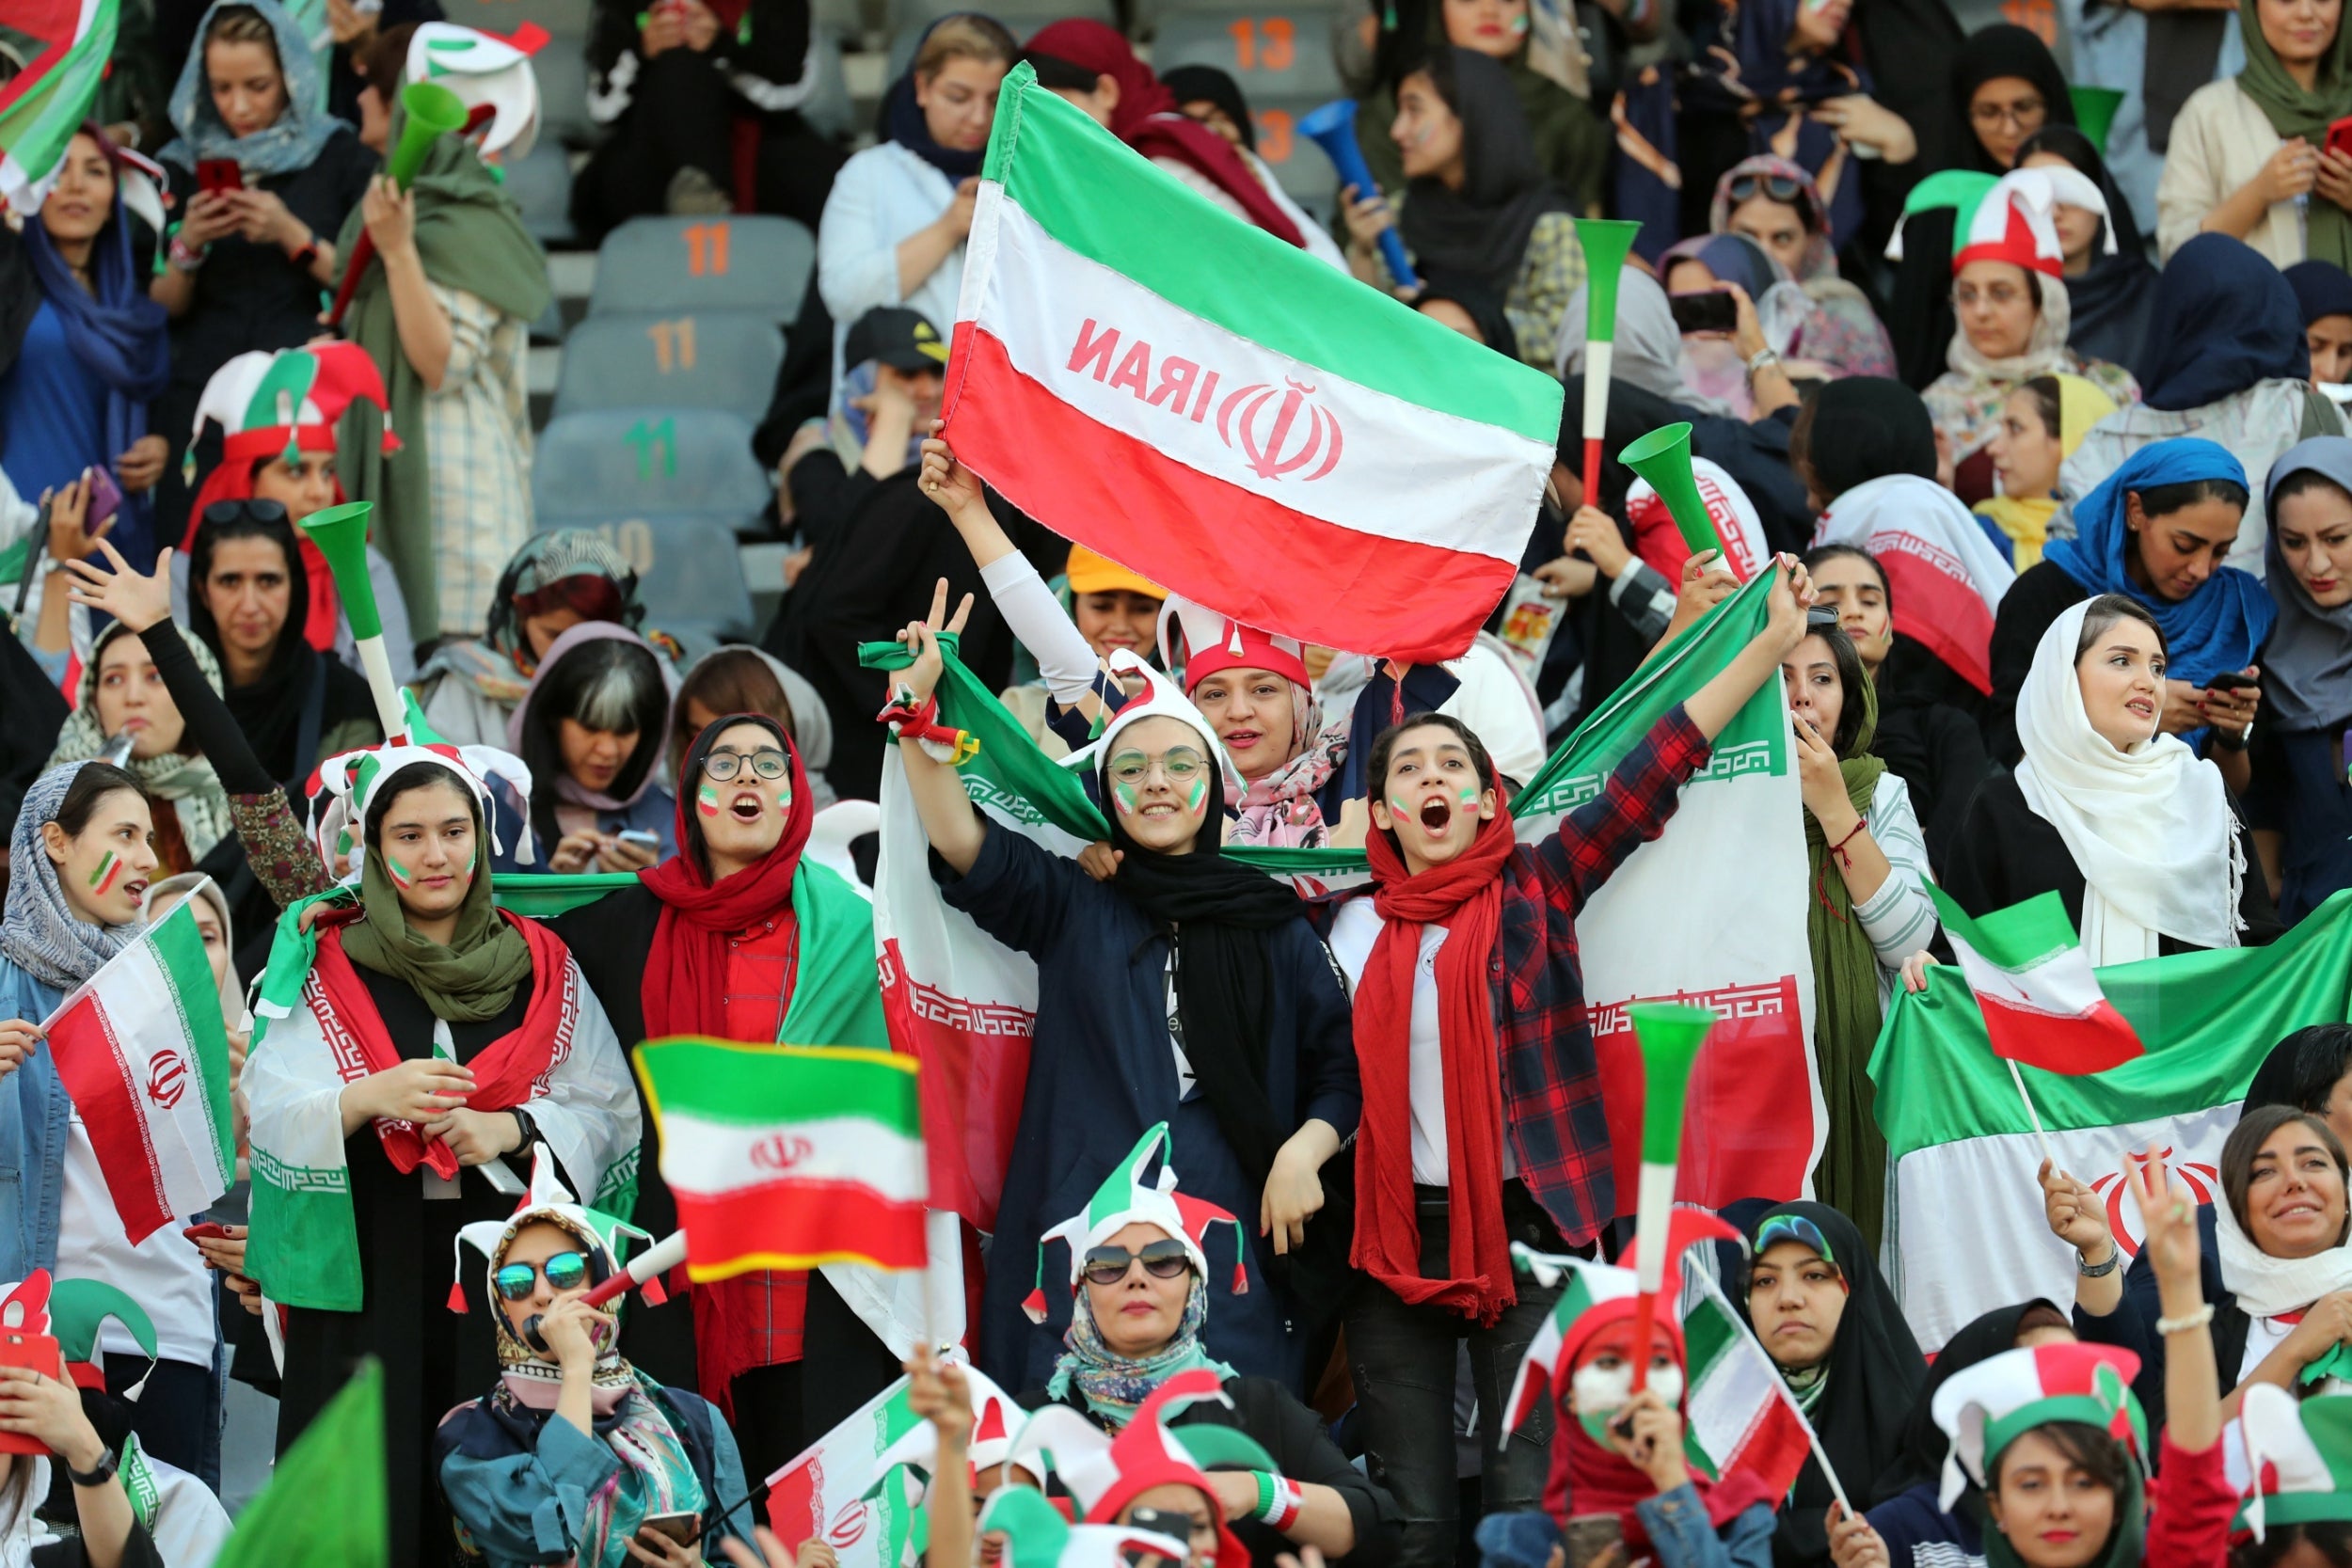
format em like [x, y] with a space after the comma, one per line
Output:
[541, 185]
[647, 462]
[723, 360]
[688, 577]
[1275, 53]
[667, 265]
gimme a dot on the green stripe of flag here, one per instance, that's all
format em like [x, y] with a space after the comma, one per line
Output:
[762, 1085]
[179, 949]
[1087, 191]
[2016, 938]
[2207, 1018]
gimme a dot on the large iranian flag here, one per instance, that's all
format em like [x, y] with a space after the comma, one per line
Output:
[788, 1157]
[1235, 399]
[1966, 1233]
[827, 1493]
[142, 1048]
[1725, 885]
[45, 103]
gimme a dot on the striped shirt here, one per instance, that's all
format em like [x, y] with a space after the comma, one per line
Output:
[477, 433]
[1899, 917]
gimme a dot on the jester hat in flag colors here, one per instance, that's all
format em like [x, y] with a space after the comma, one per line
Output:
[485, 71]
[2298, 1458]
[76, 1310]
[348, 782]
[549, 1199]
[1125, 1198]
[1160, 698]
[1994, 1403]
[1596, 1295]
[1036, 1536]
[1215, 642]
[2008, 219]
[282, 404]
[1106, 1474]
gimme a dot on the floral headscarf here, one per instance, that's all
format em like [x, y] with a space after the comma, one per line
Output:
[500, 667]
[39, 932]
[1280, 811]
[187, 781]
[286, 146]
[1115, 1385]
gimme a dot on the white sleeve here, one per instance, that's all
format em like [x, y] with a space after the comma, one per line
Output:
[1899, 917]
[857, 270]
[1066, 659]
[589, 1114]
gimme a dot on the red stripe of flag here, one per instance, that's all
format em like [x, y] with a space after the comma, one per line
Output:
[799, 1219]
[976, 1061]
[1174, 524]
[1943, 614]
[2070, 1044]
[105, 1091]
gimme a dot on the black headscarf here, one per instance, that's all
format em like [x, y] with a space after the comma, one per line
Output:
[2302, 1069]
[1866, 427]
[1875, 1373]
[2005, 49]
[2321, 288]
[1481, 232]
[1218, 910]
[1482, 303]
[1195, 84]
[2111, 302]
[2223, 319]
[270, 709]
[1924, 1444]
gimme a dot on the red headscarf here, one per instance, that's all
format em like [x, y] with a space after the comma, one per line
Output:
[686, 978]
[1464, 896]
[1147, 120]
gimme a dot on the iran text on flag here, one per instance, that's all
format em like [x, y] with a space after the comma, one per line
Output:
[958, 1000]
[1234, 401]
[45, 103]
[788, 1157]
[1954, 1123]
[2042, 1005]
[821, 1495]
[142, 1049]
[1711, 914]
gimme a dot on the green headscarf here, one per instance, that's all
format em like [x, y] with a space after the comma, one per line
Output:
[472, 978]
[469, 236]
[1846, 1014]
[2293, 112]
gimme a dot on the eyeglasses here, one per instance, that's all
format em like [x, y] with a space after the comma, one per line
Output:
[1179, 764]
[2025, 114]
[565, 1271]
[767, 762]
[2000, 295]
[1162, 1260]
[1793, 1227]
[1775, 187]
[220, 513]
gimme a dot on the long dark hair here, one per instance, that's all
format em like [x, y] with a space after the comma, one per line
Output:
[611, 683]
[2331, 1538]
[2246, 1140]
[1852, 681]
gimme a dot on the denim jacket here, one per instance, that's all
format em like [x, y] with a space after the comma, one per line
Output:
[35, 1116]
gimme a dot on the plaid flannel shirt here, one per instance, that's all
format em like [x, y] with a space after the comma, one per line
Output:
[1552, 1099]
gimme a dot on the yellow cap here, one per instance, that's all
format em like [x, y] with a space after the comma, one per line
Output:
[1092, 574]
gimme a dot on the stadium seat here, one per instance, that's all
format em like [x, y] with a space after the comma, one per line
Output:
[1023, 17]
[562, 67]
[839, 19]
[671, 264]
[541, 185]
[618, 464]
[1305, 173]
[724, 359]
[1276, 52]
[687, 574]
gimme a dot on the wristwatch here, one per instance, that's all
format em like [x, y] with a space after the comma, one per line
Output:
[1762, 358]
[2115, 1261]
[529, 1129]
[99, 1477]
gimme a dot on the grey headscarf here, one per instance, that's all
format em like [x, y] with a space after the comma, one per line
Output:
[40, 933]
[292, 143]
[1649, 350]
[2307, 664]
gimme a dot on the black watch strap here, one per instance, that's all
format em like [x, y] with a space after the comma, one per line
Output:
[99, 1477]
[529, 1129]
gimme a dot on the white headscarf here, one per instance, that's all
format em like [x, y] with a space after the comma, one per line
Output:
[2149, 828]
[2266, 1286]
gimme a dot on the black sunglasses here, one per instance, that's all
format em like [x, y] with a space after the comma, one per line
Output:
[1778, 187]
[223, 512]
[1162, 1260]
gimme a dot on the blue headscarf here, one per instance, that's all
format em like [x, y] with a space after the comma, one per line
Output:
[902, 118]
[2223, 319]
[2321, 288]
[118, 334]
[290, 144]
[2217, 628]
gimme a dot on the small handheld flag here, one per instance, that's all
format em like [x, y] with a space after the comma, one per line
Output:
[2042, 1004]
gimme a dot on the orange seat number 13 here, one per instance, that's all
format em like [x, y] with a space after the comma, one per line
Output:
[1264, 43]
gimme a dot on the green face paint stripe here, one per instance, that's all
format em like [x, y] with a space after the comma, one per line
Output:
[1126, 796]
[706, 799]
[400, 874]
[105, 872]
[1397, 805]
[1470, 795]
[1199, 793]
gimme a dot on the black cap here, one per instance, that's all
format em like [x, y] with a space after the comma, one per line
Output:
[898, 337]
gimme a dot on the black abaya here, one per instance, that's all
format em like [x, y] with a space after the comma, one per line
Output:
[434, 1358]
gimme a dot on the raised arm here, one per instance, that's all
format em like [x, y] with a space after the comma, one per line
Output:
[954, 828]
[1711, 706]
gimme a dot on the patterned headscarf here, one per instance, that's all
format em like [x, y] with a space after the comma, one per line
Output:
[286, 146]
[1114, 1385]
[185, 780]
[1281, 810]
[40, 933]
[500, 667]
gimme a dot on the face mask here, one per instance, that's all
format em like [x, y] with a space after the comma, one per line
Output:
[1600, 1389]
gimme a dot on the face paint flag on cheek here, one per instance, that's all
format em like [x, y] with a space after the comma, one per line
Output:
[400, 872]
[103, 876]
[707, 800]
[784, 797]
[1125, 796]
[1200, 794]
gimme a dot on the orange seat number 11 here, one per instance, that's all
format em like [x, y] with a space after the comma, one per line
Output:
[705, 248]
